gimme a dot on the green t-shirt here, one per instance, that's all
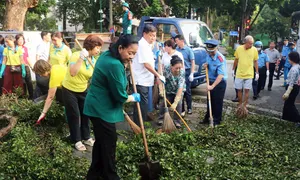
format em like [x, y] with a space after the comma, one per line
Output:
[107, 92]
[127, 22]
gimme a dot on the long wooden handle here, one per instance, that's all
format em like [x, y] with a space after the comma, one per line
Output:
[186, 125]
[211, 123]
[139, 114]
[76, 41]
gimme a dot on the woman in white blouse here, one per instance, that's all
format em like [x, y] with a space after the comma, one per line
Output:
[170, 50]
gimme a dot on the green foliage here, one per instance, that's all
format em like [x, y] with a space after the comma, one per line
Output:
[230, 53]
[256, 148]
[277, 26]
[154, 10]
[289, 7]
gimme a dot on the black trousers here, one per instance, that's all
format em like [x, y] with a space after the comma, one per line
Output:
[143, 91]
[104, 150]
[217, 98]
[290, 111]
[271, 69]
[79, 124]
[281, 65]
[28, 83]
[258, 85]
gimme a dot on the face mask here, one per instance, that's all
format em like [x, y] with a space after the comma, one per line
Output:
[258, 49]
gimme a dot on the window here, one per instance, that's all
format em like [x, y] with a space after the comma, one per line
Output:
[164, 32]
[201, 31]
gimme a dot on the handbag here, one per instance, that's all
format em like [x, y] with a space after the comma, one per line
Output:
[14, 69]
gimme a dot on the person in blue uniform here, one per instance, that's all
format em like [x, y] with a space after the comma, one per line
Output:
[127, 19]
[287, 65]
[284, 54]
[263, 70]
[217, 72]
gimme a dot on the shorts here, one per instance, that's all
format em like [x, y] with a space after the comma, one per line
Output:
[243, 83]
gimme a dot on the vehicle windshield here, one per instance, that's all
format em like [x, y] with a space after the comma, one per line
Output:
[201, 31]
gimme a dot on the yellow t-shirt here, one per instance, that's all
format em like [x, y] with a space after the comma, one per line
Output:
[246, 60]
[13, 58]
[79, 82]
[57, 75]
[60, 55]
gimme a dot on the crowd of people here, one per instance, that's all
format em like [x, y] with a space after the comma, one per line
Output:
[96, 89]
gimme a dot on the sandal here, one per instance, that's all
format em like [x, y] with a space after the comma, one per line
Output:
[89, 142]
[79, 146]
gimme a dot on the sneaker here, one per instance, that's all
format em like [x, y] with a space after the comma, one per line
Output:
[79, 146]
[182, 114]
[254, 97]
[276, 79]
[269, 89]
[89, 142]
[235, 100]
[160, 122]
[189, 111]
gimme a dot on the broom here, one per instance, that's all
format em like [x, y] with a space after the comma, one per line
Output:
[186, 125]
[135, 128]
[211, 119]
[168, 125]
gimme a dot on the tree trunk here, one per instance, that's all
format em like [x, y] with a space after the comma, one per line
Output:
[15, 13]
[110, 14]
[145, 4]
[65, 19]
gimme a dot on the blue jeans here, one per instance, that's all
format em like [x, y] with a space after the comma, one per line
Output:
[188, 92]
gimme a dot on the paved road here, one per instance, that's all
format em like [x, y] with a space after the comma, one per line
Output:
[268, 99]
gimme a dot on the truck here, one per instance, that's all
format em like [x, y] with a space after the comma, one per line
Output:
[195, 34]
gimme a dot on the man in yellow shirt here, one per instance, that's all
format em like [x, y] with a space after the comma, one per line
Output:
[246, 57]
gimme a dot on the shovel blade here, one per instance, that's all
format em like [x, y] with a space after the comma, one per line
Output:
[150, 170]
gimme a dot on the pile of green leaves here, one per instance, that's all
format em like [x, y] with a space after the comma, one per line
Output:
[252, 148]
[39, 152]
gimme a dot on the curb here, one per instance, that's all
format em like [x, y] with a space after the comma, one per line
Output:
[251, 108]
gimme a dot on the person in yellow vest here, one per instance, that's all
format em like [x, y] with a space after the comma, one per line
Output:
[59, 52]
[74, 90]
[56, 74]
[13, 68]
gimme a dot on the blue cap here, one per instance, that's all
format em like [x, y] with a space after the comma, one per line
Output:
[258, 43]
[212, 43]
[173, 34]
[125, 4]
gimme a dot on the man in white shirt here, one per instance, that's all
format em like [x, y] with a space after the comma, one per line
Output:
[43, 49]
[42, 52]
[143, 70]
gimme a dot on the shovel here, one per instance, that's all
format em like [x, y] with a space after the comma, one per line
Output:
[211, 119]
[149, 170]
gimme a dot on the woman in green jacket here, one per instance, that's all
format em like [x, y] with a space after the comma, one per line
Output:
[104, 104]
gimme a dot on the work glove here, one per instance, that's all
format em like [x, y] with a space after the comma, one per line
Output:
[287, 93]
[175, 103]
[23, 70]
[135, 97]
[2, 70]
[233, 74]
[268, 72]
[162, 79]
[191, 77]
[42, 117]
[256, 76]
[84, 54]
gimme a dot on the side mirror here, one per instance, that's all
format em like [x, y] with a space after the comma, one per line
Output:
[193, 39]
